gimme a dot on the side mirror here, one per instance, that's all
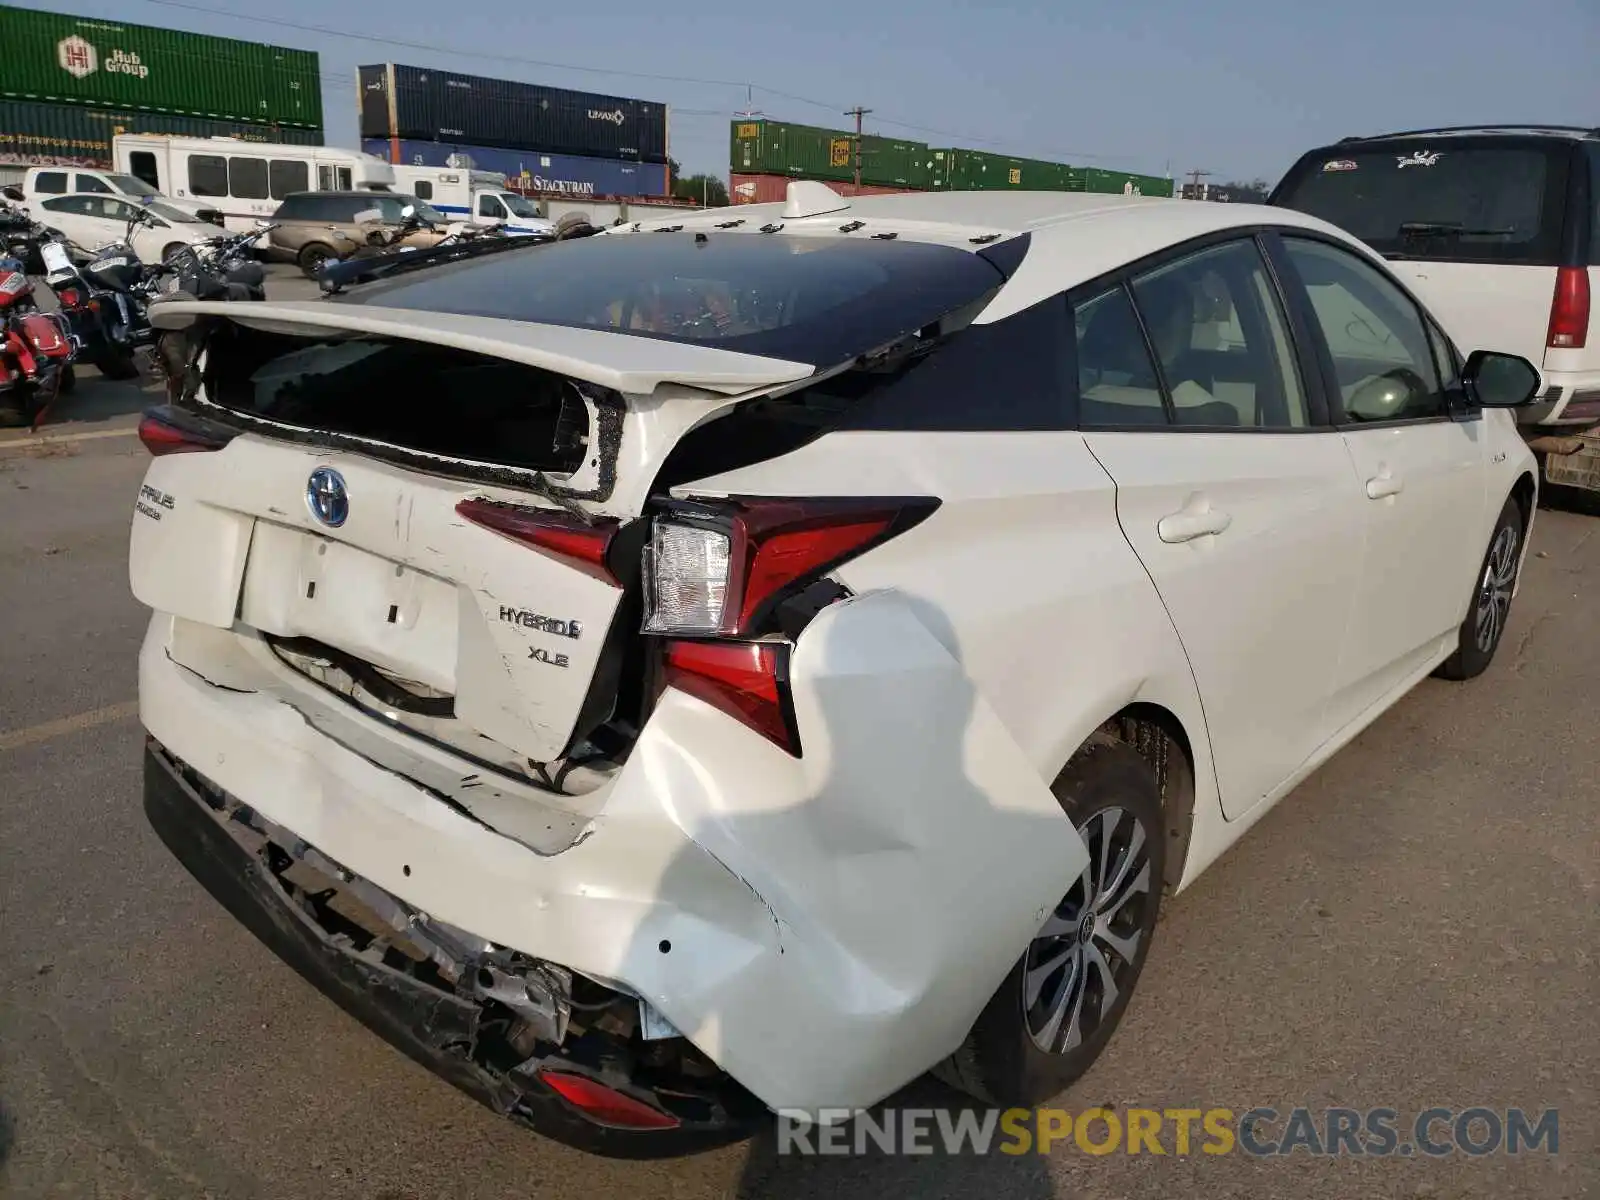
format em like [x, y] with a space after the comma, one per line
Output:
[1495, 380]
[409, 211]
[11, 192]
[263, 223]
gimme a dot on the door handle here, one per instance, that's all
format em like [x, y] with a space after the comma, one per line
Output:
[1383, 485]
[1188, 524]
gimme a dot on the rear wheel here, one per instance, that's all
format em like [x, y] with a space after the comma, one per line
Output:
[117, 362]
[1480, 634]
[314, 257]
[1061, 1002]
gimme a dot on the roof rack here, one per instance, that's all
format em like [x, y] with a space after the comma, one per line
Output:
[1585, 130]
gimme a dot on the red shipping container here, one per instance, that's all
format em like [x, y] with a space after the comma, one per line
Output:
[773, 189]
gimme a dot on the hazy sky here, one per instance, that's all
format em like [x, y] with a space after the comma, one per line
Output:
[1238, 87]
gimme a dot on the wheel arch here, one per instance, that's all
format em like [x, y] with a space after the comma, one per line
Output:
[1525, 492]
[1159, 737]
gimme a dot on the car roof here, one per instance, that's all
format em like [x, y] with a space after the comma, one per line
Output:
[1074, 237]
[1558, 132]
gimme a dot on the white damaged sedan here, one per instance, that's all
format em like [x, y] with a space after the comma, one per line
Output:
[668, 675]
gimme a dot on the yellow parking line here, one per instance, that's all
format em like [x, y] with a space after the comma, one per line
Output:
[61, 726]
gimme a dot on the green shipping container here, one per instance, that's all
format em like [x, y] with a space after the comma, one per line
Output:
[64, 59]
[71, 135]
[809, 152]
[1115, 182]
[960, 170]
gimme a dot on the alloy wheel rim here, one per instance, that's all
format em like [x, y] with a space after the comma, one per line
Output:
[1494, 591]
[1081, 961]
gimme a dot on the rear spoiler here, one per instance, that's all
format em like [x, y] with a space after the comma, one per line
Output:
[621, 362]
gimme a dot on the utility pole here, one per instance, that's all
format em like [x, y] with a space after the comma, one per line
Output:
[858, 113]
[1195, 176]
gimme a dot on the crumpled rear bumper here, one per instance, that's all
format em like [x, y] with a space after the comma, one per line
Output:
[824, 929]
[432, 1026]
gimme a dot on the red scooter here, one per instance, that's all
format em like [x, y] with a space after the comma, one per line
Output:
[36, 351]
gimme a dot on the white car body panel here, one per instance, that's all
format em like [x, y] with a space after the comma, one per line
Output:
[1263, 651]
[828, 926]
[835, 901]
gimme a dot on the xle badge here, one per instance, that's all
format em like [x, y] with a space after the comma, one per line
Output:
[540, 654]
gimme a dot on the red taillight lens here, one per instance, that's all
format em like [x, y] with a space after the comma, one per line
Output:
[786, 554]
[604, 1105]
[69, 297]
[165, 437]
[560, 535]
[1569, 310]
[740, 678]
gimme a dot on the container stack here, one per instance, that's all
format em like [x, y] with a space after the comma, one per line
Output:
[71, 84]
[766, 155]
[542, 139]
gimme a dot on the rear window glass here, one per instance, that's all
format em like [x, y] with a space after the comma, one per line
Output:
[807, 299]
[1441, 201]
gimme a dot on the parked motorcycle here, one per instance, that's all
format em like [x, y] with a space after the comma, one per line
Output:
[223, 268]
[37, 348]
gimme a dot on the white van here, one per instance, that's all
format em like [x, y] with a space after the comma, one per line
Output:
[45, 183]
[1496, 229]
[245, 180]
[480, 197]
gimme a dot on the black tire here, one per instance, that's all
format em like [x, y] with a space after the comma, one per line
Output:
[314, 257]
[117, 362]
[1480, 634]
[1002, 1061]
[69, 380]
[170, 249]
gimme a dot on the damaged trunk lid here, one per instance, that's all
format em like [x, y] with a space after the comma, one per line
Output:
[370, 516]
[430, 483]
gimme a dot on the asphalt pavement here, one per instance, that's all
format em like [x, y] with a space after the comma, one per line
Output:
[1416, 925]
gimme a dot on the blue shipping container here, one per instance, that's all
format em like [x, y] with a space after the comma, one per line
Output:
[565, 174]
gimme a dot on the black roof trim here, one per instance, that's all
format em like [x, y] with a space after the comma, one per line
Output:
[1585, 131]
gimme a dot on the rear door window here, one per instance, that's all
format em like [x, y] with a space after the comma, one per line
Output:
[1594, 202]
[1450, 200]
[50, 183]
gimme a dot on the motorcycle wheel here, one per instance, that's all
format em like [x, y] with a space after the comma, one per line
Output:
[117, 362]
[69, 380]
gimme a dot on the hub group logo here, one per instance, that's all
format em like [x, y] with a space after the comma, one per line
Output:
[1256, 1132]
[78, 58]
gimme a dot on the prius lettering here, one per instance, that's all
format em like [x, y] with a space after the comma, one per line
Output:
[529, 619]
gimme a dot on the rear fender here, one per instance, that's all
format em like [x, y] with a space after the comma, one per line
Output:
[905, 860]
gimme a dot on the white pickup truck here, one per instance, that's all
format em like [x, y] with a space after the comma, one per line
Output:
[479, 197]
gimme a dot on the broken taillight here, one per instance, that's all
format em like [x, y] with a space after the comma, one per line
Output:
[605, 1105]
[715, 576]
[163, 432]
[573, 540]
[721, 570]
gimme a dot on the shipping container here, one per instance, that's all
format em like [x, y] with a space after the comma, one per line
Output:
[416, 103]
[62, 59]
[71, 135]
[531, 170]
[960, 170]
[1126, 183]
[772, 189]
[808, 152]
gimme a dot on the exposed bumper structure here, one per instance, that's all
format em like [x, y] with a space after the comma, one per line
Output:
[824, 929]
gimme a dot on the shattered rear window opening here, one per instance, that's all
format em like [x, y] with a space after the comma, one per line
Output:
[415, 395]
[803, 299]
